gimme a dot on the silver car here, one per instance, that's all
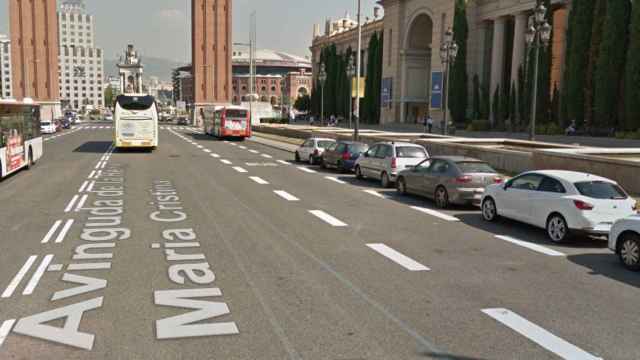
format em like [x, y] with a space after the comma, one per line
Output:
[449, 180]
[383, 161]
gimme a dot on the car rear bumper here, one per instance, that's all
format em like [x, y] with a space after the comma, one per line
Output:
[466, 196]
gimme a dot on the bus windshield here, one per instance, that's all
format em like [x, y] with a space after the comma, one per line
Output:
[236, 113]
[135, 102]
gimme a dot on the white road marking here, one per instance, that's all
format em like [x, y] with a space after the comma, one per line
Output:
[18, 278]
[224, 161]
[215, 156]
[104, 163]
[375, 193]
[242, 147]
[284, 162]
[531, 246]
[90, 187]
[335, 179]
[206, 150]
[285, 195]
[64, 231]
[199, 146]
[307, 170]
[254, 151]
[327, 218]
[239, 169]
[234, 144]
[267, 156]
[35, 279]
[98, 165]
[259, 180]
[52, 230]
[398, 258]
[93, 172]
[435, 213]
[84, 186]
[6, 327]
[83, 199]
[71, 203]
[539, 335]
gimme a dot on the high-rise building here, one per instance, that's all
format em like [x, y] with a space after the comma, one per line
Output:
[81, 61]
[5, 67]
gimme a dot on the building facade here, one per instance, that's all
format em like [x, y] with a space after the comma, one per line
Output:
[5, 68]
[81, 61]
[413, 32]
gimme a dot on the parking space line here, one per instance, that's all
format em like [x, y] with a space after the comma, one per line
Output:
[335, 179]
[259, 180]
[19, 276]
[267, 156]
[530, 246]
[64, 231]
[375, 193]
[327, 218]
[52, 231]
[435, 213]
[6, 327]
[307, 170]
[224, 161]
[239, 169]
[35, 279]
[283, 162]
[285, 195]
[539, 335]
[398, 257]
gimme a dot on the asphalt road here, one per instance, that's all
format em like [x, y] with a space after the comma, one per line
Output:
[207, 249]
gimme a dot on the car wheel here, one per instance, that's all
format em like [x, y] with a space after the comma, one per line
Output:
[297, 157]
[630, 251]
[557, 228]
[311, 161]
[384, 180]
[442, 197]
[401, 186]
[322, 163]
[489, 210]
[359, 173]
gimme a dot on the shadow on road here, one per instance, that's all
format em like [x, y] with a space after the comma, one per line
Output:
[606, 265]
[94, 147]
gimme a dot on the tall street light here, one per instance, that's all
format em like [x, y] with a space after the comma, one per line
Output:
[351, 72]
[448, 54]
[322, 77]
[538, 36]
[356, 131]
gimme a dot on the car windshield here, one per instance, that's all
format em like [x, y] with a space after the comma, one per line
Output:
[410, 152]
[325, 143]
[45, 123]
[475, 167]
[600, 190]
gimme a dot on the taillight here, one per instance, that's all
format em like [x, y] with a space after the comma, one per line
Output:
[464, 179]
[498, 180]
[581, 205]
[346, 156]
[394, 163]
[316, 152]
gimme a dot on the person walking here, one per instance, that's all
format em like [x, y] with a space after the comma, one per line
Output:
[429, 123]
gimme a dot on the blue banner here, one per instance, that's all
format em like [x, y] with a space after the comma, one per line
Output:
[387, 91]
[436, 90]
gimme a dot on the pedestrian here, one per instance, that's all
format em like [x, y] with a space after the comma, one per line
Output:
[429, 124]
[332, 120]
[312, 119]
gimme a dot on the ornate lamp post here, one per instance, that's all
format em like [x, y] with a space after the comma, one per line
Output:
[283, 87]
[538, 36]
[448, 54]
[351, 72]
[322, 77]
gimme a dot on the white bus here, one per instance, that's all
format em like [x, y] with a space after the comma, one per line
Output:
[20, 138]
[135, 121]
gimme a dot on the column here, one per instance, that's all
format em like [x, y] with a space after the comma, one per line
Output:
[497, 56]
[518, 44]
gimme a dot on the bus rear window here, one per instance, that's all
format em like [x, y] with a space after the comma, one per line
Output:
[237, 114]
[135, 102]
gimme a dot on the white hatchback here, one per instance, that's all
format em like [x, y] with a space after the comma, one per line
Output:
[47, 127]
[624, 240]
[385, 160]
[562, 202]
[312, 149]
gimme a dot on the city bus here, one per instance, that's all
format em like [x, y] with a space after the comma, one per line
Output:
[135, 121]
[20, 138]
[227, 122]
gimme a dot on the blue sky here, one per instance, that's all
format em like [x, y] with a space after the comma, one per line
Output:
[164, 31]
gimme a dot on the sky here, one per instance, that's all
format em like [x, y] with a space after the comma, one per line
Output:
[161, 28]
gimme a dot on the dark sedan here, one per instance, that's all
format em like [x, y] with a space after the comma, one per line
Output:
[343, 155]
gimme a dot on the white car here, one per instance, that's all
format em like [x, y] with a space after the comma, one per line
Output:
[47, 127]
[383, 161]
[624, 240]
[312, 149]
[562, 202]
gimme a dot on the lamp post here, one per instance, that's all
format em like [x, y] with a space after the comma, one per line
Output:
[322, 77]
[282, 90]
[351, 71]
[448, 54]
[538, 36]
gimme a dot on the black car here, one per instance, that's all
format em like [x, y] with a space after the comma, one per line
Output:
[182, 120]
[343, 155]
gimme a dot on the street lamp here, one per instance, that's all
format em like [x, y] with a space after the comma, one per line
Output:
[537, 36]
[282, 91]
[448, 54]
[351, 72]
[322, 77]
[356, 130]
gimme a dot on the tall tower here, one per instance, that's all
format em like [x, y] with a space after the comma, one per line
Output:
[34, 53]
[211, 54]
[130, 69]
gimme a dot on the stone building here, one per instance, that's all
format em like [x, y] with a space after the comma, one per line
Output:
[413, 32]
[5, 67]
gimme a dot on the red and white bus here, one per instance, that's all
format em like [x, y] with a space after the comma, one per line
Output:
[227, 122]
[20, 137]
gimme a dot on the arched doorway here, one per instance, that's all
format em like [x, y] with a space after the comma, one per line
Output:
[416, 68]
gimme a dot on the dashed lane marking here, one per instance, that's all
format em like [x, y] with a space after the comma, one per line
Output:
[267, 156]
[71, 203]
[259, 180]
[530, 246]
[19, 276]
[435, 213]
[64, 231]
[285, 195]
[397, 257]
[35, 279]
[6, 327]
[307, 170]
[52, 231]
[206, 150]
[224, 161]
[283, 162]
[254, 151]
[335, 179]
[375, 193]
[327, 218]
[215, 156]
[239, 169]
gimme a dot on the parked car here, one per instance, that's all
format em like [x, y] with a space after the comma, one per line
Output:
[562, 202]
[624, 240]
[47, 127]
[66, 123]
[182, 120]
[108, 117]
[385, 160]
[448, 180]
[312, 149]
[343, 155]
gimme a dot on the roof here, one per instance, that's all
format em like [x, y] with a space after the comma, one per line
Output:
[572, 176]
[456, 158]
[241, 55]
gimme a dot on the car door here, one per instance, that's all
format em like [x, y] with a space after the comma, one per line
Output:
[367, 159]
[305, 149]
[336, 153]
[383, 160]
[328, 156]
[545, 200]
[513, 201]
[415, 177]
